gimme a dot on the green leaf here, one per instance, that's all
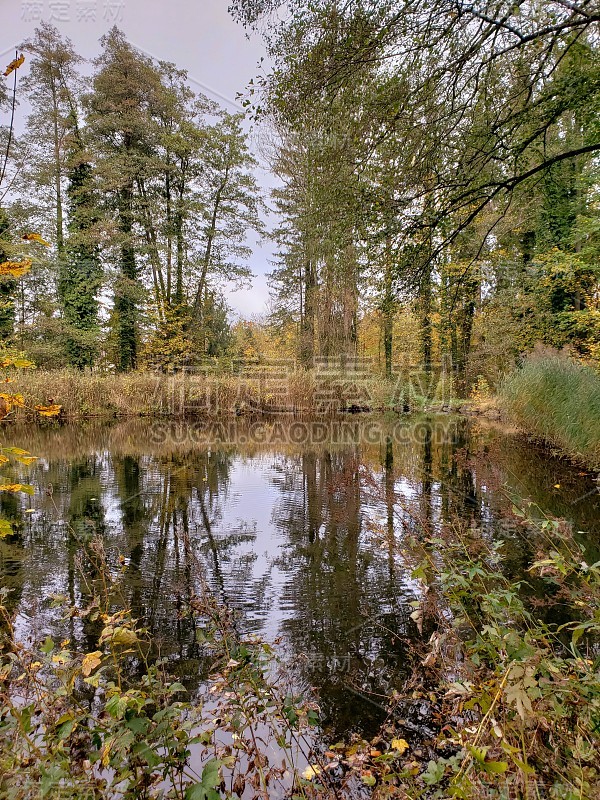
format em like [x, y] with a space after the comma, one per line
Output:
[116, 706]
[210, 774]
[147, 754]
[195, 792]
[495, 767]
[434, 773]
[138, 724]
[524, 766]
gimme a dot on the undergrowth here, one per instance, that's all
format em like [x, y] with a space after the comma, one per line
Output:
[113, 723]
[514, 697]
[257, 390]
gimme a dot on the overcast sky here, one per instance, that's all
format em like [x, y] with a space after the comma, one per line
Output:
[197, 35]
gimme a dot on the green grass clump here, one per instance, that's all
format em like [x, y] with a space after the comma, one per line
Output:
[557, 399]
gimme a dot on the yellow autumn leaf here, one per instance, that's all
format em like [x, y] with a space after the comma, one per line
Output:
[105, 753]
[14, 64]
[26, 460]
[311, 772]
[35, 237]
[48, 411]
[90, 662]
[13, 400]
[10, 361]
[16, 487]
[119, 636]
[400, 745]
[15, 269]
[5, 528]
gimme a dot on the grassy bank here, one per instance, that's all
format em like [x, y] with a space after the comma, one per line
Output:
[256, 391]
[557, 400]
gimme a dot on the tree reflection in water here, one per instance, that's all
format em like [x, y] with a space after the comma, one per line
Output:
[304, 541]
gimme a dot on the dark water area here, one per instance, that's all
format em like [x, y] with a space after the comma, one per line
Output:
[298, 526]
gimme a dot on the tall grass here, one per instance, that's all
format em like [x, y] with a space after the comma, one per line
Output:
[556, 399]
[181, 395]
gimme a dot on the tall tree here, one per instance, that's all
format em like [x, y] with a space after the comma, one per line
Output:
[80, 268]
[122, 105]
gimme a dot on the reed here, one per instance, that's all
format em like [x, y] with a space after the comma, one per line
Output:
[556, 399]
[139, 394]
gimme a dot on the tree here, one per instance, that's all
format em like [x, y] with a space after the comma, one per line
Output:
[232, 208]
[80, 275]
[484, 78]
[125, 96]
[52, 86]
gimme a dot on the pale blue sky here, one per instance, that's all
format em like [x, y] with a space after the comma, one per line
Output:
[197, 35]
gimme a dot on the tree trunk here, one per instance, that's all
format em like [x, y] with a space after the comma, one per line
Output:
[125, 301]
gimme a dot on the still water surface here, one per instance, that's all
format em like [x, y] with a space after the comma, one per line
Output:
[299, 529]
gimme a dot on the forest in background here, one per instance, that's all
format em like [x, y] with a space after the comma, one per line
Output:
[143, 193]
[437, 201]
[440, 178]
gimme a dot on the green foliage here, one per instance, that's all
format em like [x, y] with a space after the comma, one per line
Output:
[517, 696]
[80, 270]
[7, 287]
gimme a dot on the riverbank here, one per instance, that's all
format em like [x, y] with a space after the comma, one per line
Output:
[551, 399]
[556, 399]
[263, 389]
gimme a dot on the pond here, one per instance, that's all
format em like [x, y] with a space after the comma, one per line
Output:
[298, 526]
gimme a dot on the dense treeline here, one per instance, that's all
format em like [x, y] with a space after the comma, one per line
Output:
[439, 177]
[146, 197]
[437, 201]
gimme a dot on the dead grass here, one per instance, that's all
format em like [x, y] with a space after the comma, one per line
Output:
[188, 395]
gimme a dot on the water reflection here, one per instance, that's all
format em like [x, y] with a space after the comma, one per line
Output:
[303, 539]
